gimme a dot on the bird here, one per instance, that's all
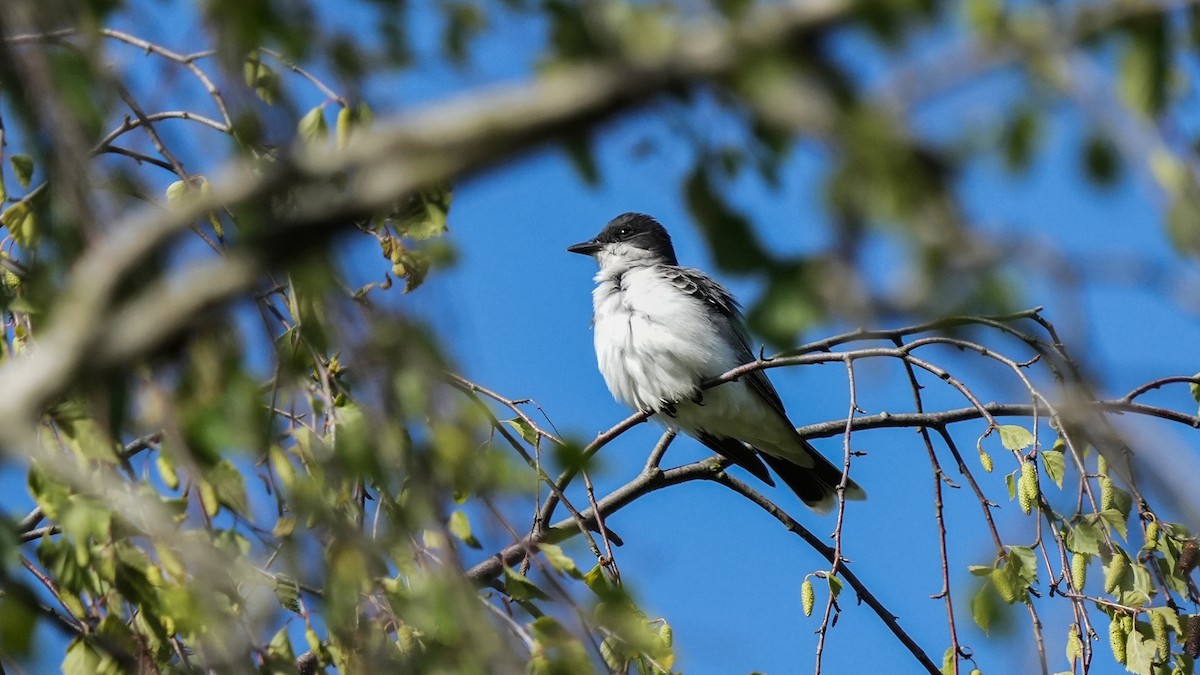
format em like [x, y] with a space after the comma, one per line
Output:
[661, 330]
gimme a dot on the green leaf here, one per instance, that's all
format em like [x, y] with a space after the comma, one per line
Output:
[950, 661]
[559, 560]
[312, 126]
[460, 526]
[730, 237]
[1020, 137]
[1054, 462]
[423, 215]
[583, 158]
[985, 606]
[1139, 649]
[525, 430]
[520, 588]
[21, 223]
[1026, 562]
[1101, 160]
[166, 471]
[22, 166]
[1015, 437]
[1145, 65]
[1084, 537]
[230, 488]
[176, 191]
[262, 78]
[17, 621]
[835, 585]
[287, 592]
[597, 581]
[81, 659]
[1116, 520]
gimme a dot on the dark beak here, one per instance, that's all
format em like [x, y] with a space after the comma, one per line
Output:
[585, 248]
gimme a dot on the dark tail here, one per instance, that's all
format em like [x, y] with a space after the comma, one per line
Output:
[739, 453]
[816, 485]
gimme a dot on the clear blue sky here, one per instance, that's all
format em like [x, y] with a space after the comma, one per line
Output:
[515, 309]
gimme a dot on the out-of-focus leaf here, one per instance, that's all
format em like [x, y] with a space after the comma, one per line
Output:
[464, 20]
[262, 79]
[287, 592]
[559, 560]
[1101, 161]
[18, 618]
[1145, 64]
[730, 237]
[520, 588]
[20, 221]
[312, 127]
[22, 166]
[460, 526]
[583, 158]
[1020, 138]
[423, 215]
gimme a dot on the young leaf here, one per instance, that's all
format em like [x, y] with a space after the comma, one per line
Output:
[460, 526]
[526, 430]
[1054, 462]
[1015, 437]
[312, 126]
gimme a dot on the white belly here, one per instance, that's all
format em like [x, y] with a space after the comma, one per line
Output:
[655, 347]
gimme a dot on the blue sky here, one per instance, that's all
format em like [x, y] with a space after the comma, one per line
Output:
[514, 313]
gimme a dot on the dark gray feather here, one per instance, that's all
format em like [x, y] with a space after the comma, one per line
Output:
[698, 285]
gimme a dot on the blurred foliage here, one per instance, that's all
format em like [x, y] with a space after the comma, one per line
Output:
[203, 512]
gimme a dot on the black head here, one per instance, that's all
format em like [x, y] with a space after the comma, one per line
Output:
[637, 230]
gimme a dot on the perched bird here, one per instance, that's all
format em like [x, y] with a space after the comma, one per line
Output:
[661, 330]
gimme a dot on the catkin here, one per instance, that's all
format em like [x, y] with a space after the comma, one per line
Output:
[1152, 535]
[985, 460]
[1115, 570]
[1162, 638]
[1191, 643]
[1107, 498]
[1027, 487]
[1188, 557]
[1079, 565]
[1004, 586]
[1116, 639]
[807, 597]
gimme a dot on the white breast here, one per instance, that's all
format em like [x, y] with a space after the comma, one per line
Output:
[654, 343]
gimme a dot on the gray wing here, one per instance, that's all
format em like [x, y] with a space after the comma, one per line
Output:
[698, 285]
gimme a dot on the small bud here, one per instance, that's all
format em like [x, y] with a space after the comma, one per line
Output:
[985, 460]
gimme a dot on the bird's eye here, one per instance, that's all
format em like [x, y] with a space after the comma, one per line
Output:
[624, 232]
